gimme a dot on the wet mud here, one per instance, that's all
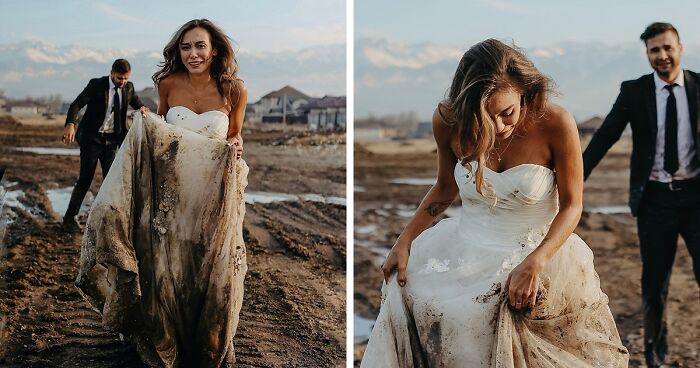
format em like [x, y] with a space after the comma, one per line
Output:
[611, 236]
[293, 312]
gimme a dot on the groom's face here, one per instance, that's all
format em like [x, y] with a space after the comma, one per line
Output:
[664, 53]
[120, 79]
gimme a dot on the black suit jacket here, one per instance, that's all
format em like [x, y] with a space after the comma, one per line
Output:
[636, 104]
[96, 96]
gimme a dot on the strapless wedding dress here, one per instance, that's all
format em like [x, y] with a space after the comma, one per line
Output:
[162, 257]
[453, 311]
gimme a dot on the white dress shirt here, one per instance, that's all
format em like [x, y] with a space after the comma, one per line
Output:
[687, 166]
[108, 123]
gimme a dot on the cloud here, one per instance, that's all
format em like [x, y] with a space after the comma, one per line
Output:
[399, 56]
[52, 55]
[11, 76]
[504, 6]
[547, 52]
[322, 34]
[119, 14]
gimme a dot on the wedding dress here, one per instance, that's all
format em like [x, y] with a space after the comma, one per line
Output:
[162, 258]
[453, 311]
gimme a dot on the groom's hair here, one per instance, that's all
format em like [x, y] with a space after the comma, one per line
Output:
[658, 28]
[121, 66]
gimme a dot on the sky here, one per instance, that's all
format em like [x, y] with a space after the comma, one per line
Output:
[406, 52]
[49, 47]
[529, 23]
[269, 25]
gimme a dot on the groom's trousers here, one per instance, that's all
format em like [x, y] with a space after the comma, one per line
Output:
[102, 148]
[666, 211]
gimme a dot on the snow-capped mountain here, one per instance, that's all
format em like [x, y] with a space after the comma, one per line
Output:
[38, 69]
[392, 77]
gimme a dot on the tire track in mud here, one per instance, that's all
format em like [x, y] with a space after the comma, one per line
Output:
[48, 323]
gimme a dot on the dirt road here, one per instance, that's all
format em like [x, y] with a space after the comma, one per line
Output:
[294, 308]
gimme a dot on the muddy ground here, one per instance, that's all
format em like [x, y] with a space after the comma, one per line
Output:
[383, 208]
[294, 307]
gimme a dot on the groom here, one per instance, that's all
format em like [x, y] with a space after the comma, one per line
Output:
[101, 130]
[662, 109]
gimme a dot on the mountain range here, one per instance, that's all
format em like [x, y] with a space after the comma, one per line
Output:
[392, 77]
[36, 68]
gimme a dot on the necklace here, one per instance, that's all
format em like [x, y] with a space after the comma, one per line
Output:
[195, 96]
[505, 149]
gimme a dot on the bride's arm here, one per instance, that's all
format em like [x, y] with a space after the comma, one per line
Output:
[438, 199]
[237, 114]
[236, 117]
[163, 90]
[562, 135]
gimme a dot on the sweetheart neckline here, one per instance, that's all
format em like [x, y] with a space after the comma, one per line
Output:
[510, 168]
[196, 113]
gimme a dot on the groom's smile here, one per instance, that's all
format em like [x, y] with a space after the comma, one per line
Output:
[664, 54]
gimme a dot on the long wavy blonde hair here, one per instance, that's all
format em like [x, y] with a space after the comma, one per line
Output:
[485, 68]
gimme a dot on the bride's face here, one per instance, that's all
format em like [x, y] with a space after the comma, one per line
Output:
[504, 109]
[196, 50]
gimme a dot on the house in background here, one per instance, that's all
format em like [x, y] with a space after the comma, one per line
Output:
[590, 125]
[25, 108]
[281, 106]
[291, 106]
[327, 113]
[424, 129]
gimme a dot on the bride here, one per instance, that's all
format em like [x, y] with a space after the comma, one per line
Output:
[162, 258]
[506, 284]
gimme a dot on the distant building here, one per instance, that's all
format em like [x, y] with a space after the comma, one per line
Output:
[423, 130]
[278, 106]
[327, 113]
[25, 108]
[590, 125]
[371, 130]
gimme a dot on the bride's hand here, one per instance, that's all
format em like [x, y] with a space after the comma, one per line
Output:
[397, 260]
[523, 281]
[237, 141]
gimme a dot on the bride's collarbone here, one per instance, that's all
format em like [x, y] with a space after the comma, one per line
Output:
[521, 155]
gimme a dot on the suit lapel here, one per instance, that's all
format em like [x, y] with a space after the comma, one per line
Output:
[125, 97]
[650, 103]
[106, 89]
[691, 90]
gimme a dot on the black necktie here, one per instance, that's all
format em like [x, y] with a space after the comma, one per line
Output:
[116, 109]
[671, 135]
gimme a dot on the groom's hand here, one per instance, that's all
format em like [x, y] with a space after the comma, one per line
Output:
[144, 110]
[69, 133]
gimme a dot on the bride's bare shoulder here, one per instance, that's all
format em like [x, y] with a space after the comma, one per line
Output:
[168, 83]
[557, 121]
[444, 123]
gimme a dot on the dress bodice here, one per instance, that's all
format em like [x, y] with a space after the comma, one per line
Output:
[520, 200]
[212, 124]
